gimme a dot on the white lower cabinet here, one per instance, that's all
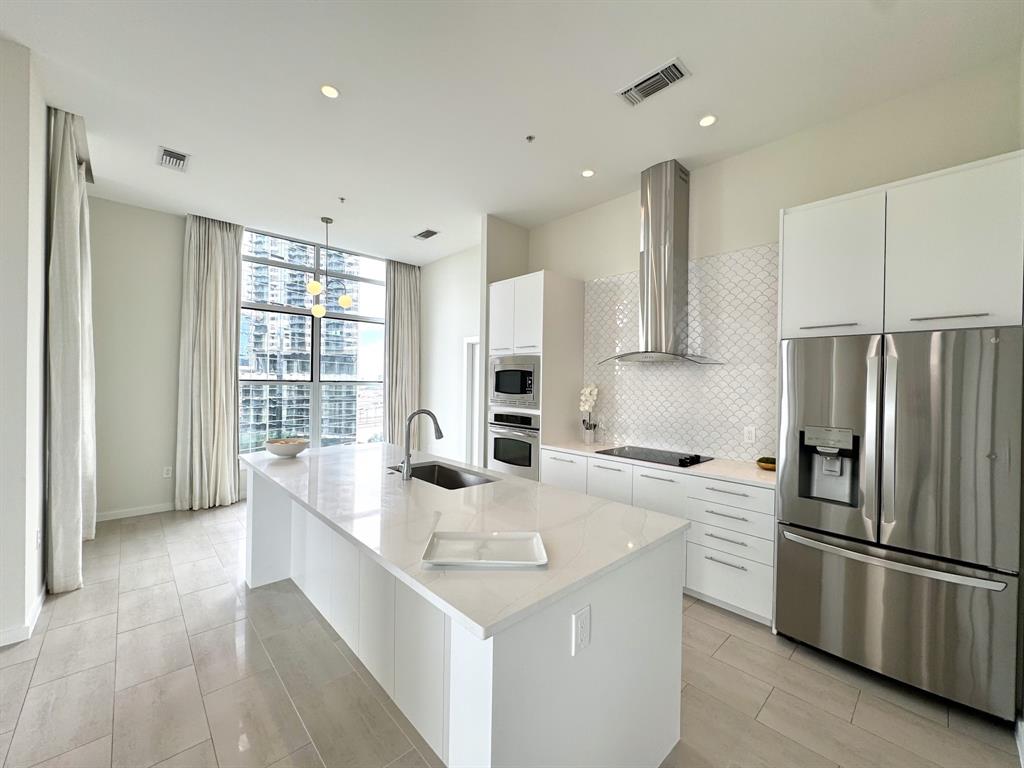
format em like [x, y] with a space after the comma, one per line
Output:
[344, 607]
[419, 671]
[733, 543]
[730, 557]
[377, 622]
[566, 470]
[732, 580]
[400, 637]
[659, 490]
[610, 480]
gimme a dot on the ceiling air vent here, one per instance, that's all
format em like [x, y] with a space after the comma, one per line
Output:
[426, 234]
[656, 81]
[176, 161]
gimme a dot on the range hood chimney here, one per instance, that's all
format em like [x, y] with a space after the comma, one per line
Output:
[664, 267]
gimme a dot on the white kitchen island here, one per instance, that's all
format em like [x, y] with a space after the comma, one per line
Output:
[482, 662]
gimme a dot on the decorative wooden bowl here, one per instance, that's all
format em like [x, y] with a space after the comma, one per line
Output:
[767, 462]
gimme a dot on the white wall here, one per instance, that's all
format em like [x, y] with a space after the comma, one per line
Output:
[449, 312]
[136, 261]
[22, 254]
[734, 203]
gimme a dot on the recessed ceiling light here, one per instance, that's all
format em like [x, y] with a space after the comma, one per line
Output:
[586, 173]
[707, 121]
[329, 91]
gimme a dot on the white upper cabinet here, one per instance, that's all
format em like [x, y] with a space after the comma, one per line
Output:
[529, 314]
[833, 267]
[516, 315]
[955, 249]
[501, 317]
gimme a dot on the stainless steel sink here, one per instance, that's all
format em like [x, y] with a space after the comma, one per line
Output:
[446, 476]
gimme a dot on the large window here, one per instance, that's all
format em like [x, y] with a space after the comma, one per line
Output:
[302, 376]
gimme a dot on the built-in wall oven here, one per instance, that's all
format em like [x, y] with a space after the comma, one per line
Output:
[513, 443]
[514, 381]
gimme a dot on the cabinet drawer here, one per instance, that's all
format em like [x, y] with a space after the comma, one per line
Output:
[732, 518]
[733, 580]
[610, 480]
[566, 470]
[732, 542]
[659, 491]
[733, 494]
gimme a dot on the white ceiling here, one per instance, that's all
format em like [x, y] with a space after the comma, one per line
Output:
[436, 98]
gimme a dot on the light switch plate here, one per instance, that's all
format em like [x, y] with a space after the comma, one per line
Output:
[580, 629]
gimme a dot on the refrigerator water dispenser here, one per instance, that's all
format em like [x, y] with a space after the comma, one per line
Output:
[829, 469]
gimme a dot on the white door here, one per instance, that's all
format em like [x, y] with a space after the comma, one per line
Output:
[501, 313]
[529, 314]
[610, 480]
[833, 267]
[955, 249]
[566, 470]
[660, 491]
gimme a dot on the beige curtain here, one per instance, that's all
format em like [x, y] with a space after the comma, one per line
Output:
[206, 463]
[401, 348]
[71, 375]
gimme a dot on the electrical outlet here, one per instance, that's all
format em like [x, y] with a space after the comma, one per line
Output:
[749, 435]
[167, 473]
[580, 630]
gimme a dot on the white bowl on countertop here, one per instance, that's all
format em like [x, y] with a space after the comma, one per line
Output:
[286, 447]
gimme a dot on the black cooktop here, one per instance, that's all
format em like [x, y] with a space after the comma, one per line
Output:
[672, 458]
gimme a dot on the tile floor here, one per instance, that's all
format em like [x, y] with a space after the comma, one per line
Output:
[166, 658]
[751, 698]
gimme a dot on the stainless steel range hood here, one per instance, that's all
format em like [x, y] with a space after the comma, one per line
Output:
[664, 268]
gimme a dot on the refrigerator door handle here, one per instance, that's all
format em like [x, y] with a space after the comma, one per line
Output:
[889, 421]
[992, 585]
[871, 415]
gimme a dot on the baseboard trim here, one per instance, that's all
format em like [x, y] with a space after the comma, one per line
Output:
[24, 632]
[726, 606]
[117, 514]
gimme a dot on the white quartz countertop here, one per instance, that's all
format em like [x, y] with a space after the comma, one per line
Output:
[734, 471]
[351, 489]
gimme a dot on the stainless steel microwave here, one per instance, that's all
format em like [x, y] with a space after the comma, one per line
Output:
[515, 381]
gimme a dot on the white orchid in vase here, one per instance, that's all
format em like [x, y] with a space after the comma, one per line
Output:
[588, 398]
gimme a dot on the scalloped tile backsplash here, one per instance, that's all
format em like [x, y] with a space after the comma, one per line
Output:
[684, 406]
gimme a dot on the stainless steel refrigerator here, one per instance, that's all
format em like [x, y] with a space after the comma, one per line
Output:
[899, 506]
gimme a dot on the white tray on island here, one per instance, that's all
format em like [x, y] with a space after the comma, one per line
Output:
[499, 549]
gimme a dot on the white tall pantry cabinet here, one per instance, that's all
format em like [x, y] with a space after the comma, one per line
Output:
[541, 313]
[944, 250]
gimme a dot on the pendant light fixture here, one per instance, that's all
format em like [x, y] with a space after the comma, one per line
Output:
[315, 287]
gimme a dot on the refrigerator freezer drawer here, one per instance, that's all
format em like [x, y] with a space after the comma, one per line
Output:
[947, 629]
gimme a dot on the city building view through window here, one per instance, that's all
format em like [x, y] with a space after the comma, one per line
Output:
[302, 376]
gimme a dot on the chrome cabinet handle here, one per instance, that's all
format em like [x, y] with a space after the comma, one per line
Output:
[731, 517]
[610, 469]
[827, 325]
[949, 317]
[723, 538]
[559, 458]
[723, 562]
[662, 479]
[502, 349]
[527, 346]
[722, 490]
